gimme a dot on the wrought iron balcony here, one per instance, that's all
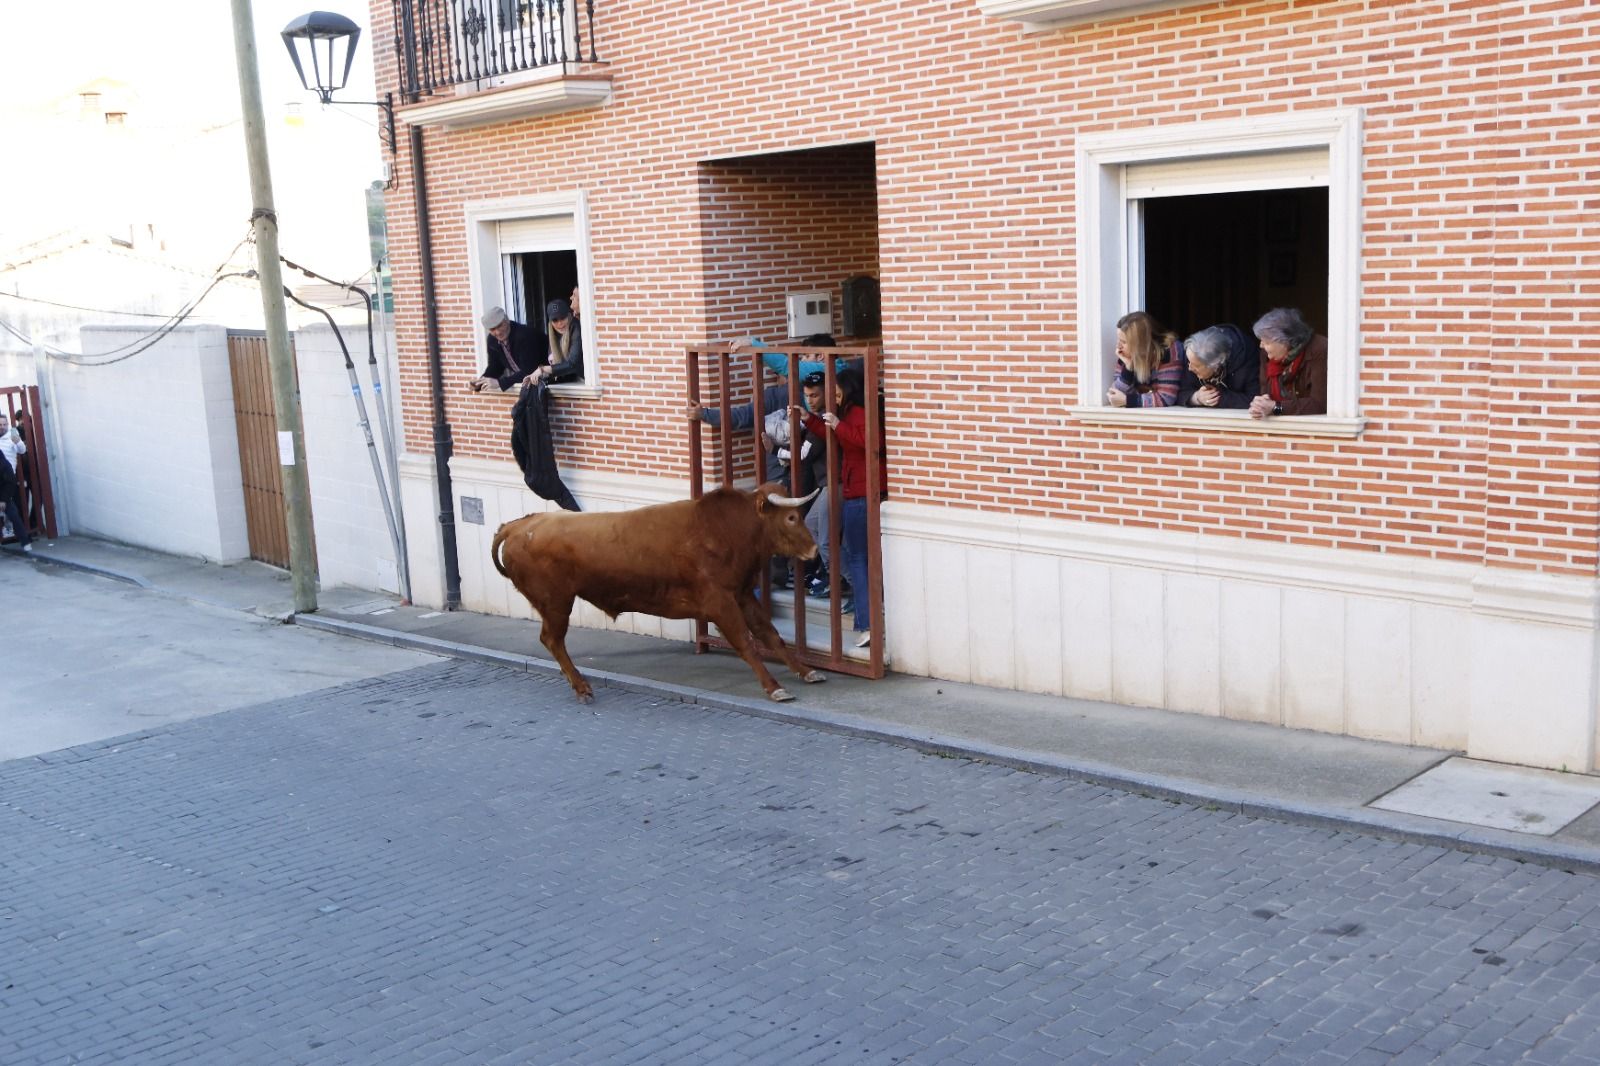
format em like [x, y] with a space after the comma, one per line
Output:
[460, 45]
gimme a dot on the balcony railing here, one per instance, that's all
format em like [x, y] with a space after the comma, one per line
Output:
[441, 44]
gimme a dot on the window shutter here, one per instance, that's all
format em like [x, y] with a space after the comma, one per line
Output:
[546, 233]
[1248, 172]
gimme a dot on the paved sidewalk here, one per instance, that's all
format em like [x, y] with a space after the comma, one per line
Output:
[1291, 775]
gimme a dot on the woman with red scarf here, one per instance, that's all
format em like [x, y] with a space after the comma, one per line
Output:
[1294, 366]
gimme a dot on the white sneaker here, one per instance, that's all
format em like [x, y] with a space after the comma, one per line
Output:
[866, 638]
[28, 547]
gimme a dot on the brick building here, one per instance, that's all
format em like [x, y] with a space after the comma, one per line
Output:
[1417, 565]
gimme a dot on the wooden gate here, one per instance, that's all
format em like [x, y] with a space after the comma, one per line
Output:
[256, 417]
[21, 406]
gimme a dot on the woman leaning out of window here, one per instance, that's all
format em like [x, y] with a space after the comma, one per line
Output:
[1150, 364]
[1294, 366]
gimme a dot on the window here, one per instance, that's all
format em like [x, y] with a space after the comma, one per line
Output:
[1274, 203]
[538, 263]
[525, 253]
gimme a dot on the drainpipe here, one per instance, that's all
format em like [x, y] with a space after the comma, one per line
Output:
[442, 442]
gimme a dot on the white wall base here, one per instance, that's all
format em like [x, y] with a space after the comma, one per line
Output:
[419, 502]
[1500, 664]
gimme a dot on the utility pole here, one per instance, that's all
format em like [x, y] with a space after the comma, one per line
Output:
[285, 389]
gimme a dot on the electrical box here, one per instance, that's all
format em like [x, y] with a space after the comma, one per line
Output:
[810, 312]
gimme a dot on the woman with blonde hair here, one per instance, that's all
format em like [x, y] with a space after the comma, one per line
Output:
[1150, 364]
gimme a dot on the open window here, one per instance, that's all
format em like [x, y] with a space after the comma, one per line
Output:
[1219, 222]
[526, 253]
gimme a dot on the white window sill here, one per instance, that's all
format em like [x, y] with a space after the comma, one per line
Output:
[560, 392]
[1222, 421]
[1040, 15]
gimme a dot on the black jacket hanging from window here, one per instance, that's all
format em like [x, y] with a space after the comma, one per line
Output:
[534, 452]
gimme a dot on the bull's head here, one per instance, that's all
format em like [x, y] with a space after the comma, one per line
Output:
[783, 521]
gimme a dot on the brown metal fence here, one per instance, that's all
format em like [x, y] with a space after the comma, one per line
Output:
[736, 378]
[255, 416]
[21, 404]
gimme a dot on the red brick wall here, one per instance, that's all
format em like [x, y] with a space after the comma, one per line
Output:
[1480, 248]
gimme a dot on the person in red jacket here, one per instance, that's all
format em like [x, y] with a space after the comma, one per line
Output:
[848, 424]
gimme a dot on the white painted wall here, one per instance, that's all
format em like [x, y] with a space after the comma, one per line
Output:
[1500, 664]
[16, 364]
[151, 453]
[353, 543]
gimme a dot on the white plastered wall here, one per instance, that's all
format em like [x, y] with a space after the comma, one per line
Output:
[353, 543]
[1497, 663]
[152, 455]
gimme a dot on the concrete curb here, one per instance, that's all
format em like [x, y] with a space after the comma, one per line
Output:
[1390, 826]
[90, 568]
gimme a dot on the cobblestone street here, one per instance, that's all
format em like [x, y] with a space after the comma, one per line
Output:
[456, 864]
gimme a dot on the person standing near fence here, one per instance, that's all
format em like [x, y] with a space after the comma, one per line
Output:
[11, 449]
[848, 424]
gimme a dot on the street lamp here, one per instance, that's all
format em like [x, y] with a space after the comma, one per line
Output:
[327, 41]
[337, 36]
[323, 36]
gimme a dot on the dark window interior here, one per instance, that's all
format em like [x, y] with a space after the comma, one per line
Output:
[1229, 257]
[545, 276]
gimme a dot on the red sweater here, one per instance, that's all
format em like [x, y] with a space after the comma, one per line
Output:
[851, 434]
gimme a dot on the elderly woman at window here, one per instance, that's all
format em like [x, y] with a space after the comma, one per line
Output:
[1150, 365]
[1222, 369]
[1294, 366]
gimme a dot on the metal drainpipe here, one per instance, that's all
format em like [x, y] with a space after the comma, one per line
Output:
[443, 445]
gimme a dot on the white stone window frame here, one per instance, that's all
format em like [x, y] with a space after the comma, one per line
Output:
[1110, 272]
[487, 274]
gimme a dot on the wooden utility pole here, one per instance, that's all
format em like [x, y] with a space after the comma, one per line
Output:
[285, 389]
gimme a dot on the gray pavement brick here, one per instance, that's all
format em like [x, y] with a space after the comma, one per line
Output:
[456, 864]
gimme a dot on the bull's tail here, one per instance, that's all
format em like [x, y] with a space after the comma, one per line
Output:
[494, 548]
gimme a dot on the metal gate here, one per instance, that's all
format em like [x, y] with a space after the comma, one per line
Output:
[255, 416]
[21, 405]
[737, 380]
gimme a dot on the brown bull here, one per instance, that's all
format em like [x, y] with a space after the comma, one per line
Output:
[691, 559]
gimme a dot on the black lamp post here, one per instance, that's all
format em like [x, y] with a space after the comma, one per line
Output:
[325, 43]
[324, 38]
[328, 39]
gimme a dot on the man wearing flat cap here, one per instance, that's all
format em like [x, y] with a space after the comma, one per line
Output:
[514, 352]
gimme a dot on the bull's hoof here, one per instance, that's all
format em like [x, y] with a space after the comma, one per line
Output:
[814, 676]
[780, 695]
[586, 698]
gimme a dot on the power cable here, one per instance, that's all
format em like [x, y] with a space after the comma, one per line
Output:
[80, 307]
[137, 345]
[143, 344]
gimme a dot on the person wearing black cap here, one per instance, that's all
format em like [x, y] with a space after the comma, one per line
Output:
[565, 343]
[512, 355]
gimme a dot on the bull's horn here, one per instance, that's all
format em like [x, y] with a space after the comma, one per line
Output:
[792, 501]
